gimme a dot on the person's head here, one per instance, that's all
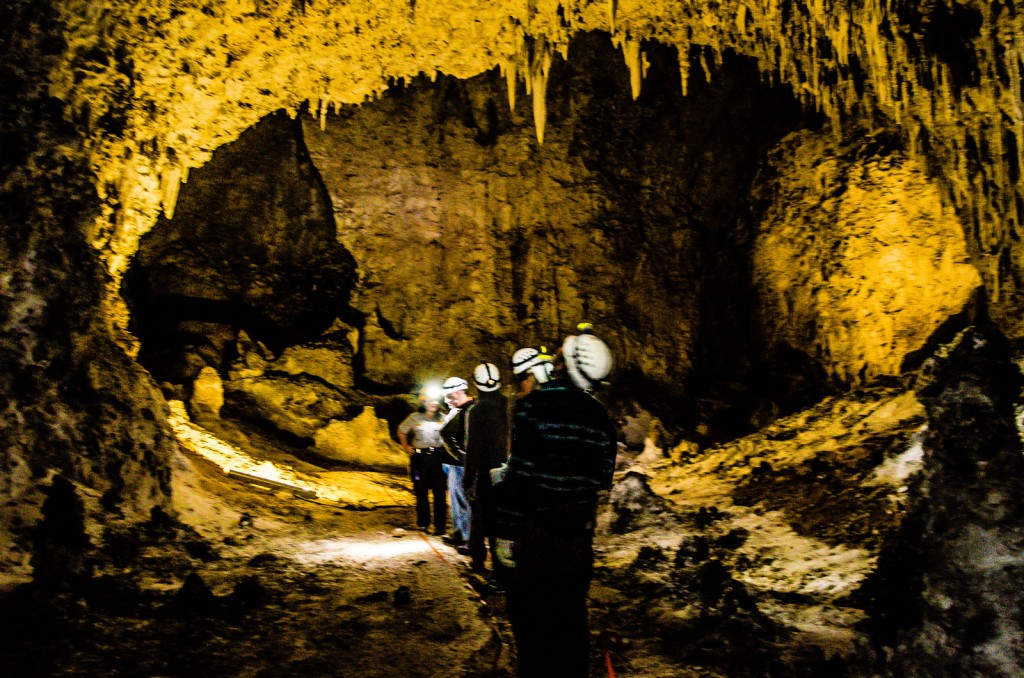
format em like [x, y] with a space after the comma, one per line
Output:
[587, 359]
[430, 398]
[530, 368]
[486, 377]
[454, 389]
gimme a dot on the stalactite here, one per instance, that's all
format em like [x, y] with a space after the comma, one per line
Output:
[636, 62]
[540, 67]
[704, 65]
[170, 183]
[510, 69]
[684, 67]
[741, 18]
[613, 11]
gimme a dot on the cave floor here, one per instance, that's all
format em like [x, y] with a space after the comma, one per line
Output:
[261, 583]
[703, 568]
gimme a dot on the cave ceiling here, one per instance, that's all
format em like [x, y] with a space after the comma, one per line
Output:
[156, 87]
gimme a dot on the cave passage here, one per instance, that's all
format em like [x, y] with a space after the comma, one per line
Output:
[417, 235]
[794, 224]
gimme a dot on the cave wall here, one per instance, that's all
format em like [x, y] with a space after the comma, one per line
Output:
[472, 241]
[945, 597]
[74, 404]
[252, 247]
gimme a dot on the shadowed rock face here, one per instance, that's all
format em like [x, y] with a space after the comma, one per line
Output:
[472, 241]
[74, 403]
[946, 594]
[251, 248]
[469, 241]
[634, 215]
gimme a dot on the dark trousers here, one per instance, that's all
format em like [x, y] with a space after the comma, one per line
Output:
[547, 601]
[481, 525]
[428, 478]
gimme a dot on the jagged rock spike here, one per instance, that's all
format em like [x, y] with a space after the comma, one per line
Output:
[540, 67]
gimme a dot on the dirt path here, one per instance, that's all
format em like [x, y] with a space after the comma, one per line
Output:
[349, 592]
[257, 583]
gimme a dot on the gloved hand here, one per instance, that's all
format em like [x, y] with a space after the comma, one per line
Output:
[498, 474]
[504, 549]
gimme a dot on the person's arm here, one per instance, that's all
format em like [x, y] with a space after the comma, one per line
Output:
[473, 441]
[403, 435]
[403, 439]
[611, 449]
[512, 493]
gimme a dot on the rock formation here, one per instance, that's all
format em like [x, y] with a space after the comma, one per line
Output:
[945, 596]
[486, 136]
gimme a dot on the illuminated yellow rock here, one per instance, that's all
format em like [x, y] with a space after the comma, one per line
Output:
[363, 441]
[324, 362]
[299, 407]
[156, 89]
[297, 392]
[858, 261]
[207, 394]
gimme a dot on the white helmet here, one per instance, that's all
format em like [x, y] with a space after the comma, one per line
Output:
[487, 377]
[453, 384]
[587, 359]
[543, 370]
[537, 362]
[524, 359]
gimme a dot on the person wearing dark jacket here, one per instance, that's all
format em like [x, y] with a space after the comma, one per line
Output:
[562, 454]
[486, 449]
[453, 436]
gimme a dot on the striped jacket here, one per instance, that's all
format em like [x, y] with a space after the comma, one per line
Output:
[563, 454]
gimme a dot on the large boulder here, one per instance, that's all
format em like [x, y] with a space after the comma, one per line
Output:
[363, 441]
[857, 261]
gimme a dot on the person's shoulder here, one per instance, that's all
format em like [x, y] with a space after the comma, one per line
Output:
[495, 399]
[555, 390]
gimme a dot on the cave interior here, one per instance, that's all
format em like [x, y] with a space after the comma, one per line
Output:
[239, 239]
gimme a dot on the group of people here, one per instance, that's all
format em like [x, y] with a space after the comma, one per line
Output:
[523, 481]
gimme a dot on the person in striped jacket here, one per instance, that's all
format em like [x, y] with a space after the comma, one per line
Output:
[562, 455]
